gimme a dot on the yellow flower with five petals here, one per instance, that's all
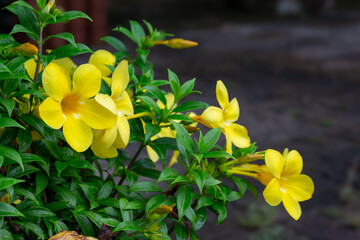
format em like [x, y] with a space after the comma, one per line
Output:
[70, 104]
[284, 181]
[224, 118]
[107, 141]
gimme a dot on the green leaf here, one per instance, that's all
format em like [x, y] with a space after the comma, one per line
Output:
[126, 226]
[217, 154]
[7, 182]
[190, 214]
[191, 105]
[70, 50]
[183, 200]
[21, 29]
[243, 185]
[156, 92]
[151, 130]
[174, 83]
[19, 172]
[137, 31]
[65, 35]
[32, 227]
[136, 205]
[39, 212]
[35, 122]
[210, 139]
[155, 201]
[211, 181]
[85, 224]
[221, 211]
[203, 202]
[65, 194]
[116, 43]
[60, 166]
[184, 137]
[187, 88]
[25, 139]
[127, 215]
[27, 194]
[105, 190]
[41, 4]
[53, 148]
[126, 32]
[179, 117]
[200, 219]
[110, 222]
[29, 20]
[7, 210]
[80, 163]
[199, 178]
[12, 154]
[5, 235]
[9, 104]
[8, 122]
[41, 181]
[181, 232]
[71, 15]
[145, 187]
[29, 158]
[94, 217]
[56, 206]
[167, 174]
[180, 179]
[149, 101]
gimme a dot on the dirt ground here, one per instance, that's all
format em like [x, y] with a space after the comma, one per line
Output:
[298, 87]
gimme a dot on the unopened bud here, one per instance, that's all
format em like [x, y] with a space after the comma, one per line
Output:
[177, 43]
[163, 209]
[24, 107]
[26, 49]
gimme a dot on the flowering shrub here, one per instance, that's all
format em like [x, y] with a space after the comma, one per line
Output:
[65, 130]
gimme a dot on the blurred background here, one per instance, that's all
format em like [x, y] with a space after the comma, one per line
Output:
[293, 65]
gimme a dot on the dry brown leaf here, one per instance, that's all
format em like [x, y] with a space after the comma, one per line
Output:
[72, 235]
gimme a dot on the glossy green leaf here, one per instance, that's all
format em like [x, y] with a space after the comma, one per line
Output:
[190, 105]
[5, 235]
[8, 122]
[174, 83]
[32, 227]
[41, 181]
[21, 29]
[156, 92]
[218, 154]
[183, 200]
[9, 104]
[181, 232]
[85, 225]
[199, 178]
[6, 210]
[203, 202]
[7, 182]
[154, 202]
[184, 137]
[168, 174]
[29, 20]
[39, 212]
[116, 43]
[210, 139]
[35, 122]
[71, 15]
[105, 190]
[24, 139]
[80, 163]
[65, 35]
[151, 130]
[70, 50]
[200, 219]
[137, 32]
[150, 102]
[12, 154]
[145, 187]
[126, 226]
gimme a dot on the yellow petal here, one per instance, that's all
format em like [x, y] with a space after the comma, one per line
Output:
[222, 94]
[95, 115]
[100, 150]
[65, 63]
[275, 162]
[30, 67]
[292, 206]
[173, 159]
[167, 132]
[107, 102]
[51, 113]
[232, 111]
[78, 134]
[109, 136]
[238, 135]
[102, 58]
[170, 98]
[272, 193]
[293, 164]
[86, 81]
[213, 116]
[301, 187]
[123, 128]
[228, 145]
[152, 154]
[107, 80]
[120, 79]
[56, 81]
[123, 104]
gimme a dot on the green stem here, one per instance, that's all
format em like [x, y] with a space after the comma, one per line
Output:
[38, 62]
[142, 146]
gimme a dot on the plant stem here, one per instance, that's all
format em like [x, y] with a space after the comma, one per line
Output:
[142, 146]
[40, 43]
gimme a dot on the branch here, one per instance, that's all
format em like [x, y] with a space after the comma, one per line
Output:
[142, 146]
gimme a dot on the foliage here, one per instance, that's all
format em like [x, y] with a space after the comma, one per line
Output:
[63, 157]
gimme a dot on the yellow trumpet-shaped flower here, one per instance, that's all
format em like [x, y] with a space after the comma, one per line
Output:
[107, 141]
[224, 118]
[284, 181]
[70, 104]
[66, 63]
[101, 58]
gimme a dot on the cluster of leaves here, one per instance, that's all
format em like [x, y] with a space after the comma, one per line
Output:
[46, 186]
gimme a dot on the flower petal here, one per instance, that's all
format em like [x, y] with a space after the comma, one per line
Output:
[238, 135]
[100, 59]
[95, 115]
[56, 81]
[66, 63]
[120, 79]
[173, 159]
[232, 111]
[275, 162]
[222, 94]
[106, 101]
[152, 154]
[123, 128]
[272, 193]
[86, 81]
[51, 113]
[213, 116]
[124, 105]
[78, 134]
[170, 98]
[100, 150]
[301, 187]
[293, 163]
[292, 206]
[109, 136]
[30, 67]
[228, 145]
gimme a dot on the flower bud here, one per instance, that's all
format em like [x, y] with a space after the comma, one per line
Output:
[177, 43]
[26, 49]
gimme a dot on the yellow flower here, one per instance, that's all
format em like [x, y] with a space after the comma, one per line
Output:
[66, 63]
[286, 185]
[224, 118]
[102, 58]
[107, 141]
[71, 107]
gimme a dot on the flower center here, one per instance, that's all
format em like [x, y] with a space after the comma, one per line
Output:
[71, 105]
